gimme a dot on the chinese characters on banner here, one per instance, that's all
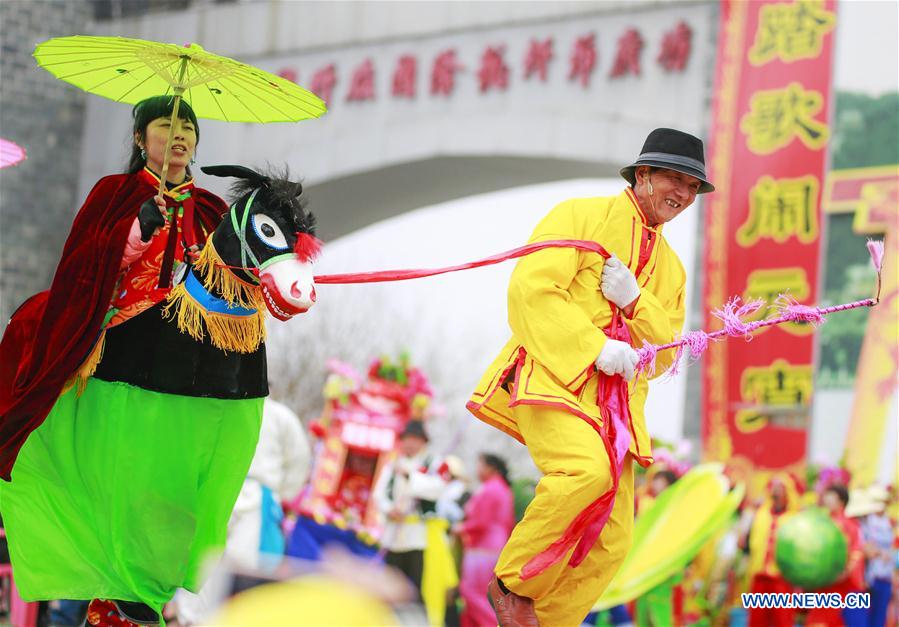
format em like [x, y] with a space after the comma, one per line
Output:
[763, 226]
[495, 69]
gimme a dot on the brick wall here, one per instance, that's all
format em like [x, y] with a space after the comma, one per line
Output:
[45, 116]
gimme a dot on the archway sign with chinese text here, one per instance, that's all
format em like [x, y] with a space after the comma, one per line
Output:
[769, 154]
[576, 56]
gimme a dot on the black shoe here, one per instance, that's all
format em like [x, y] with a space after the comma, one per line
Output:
[138, 613]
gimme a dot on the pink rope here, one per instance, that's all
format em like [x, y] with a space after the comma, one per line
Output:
[794, 311]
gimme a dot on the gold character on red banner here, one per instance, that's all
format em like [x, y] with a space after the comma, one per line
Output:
[770, 283]
[780, 389]
[791, 31]
[777, 116]
[780, 209]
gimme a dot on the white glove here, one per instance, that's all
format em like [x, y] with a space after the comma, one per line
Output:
[618, 357]
[618, 283]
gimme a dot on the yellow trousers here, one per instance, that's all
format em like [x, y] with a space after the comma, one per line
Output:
[576, 472]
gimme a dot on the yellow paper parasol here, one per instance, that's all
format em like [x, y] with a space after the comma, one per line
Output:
[217, 88]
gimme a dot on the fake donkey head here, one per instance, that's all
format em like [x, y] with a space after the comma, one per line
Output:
[268, 238]
[260, 255]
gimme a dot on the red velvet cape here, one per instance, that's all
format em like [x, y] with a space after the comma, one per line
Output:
[53, 332]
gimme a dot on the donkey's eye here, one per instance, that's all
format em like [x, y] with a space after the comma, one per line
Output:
[268, 232]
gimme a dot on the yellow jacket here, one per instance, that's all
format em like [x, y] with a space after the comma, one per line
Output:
[557, 313]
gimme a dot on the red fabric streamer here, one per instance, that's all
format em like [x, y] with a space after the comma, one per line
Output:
[583, 532]
[405, 275]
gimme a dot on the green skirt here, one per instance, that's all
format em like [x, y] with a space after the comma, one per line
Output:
[122, 492]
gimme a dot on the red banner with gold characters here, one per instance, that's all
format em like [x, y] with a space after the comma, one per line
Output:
[764, 226]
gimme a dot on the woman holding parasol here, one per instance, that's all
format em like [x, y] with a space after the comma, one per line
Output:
[122, 529]
[121, 470]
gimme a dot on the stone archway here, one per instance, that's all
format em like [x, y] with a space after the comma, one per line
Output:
[348, 203]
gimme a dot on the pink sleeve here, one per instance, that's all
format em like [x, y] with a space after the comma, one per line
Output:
[134, 247]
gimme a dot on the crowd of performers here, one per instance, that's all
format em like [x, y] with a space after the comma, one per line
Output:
[445, 528]
[742, 556]
[132, 397]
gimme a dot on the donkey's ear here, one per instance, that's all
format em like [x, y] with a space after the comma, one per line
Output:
[236, 171]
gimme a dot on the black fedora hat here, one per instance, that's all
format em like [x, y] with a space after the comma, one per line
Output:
[415, 428]
[674, 150]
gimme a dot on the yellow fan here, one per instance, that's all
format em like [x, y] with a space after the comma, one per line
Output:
[671, 533]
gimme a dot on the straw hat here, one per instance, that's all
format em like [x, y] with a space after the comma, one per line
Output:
[864, 501]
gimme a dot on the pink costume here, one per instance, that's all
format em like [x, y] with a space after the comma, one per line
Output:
[489, 518]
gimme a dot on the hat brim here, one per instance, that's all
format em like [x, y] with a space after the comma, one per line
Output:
[414, 434]
[854, 510]
[629, 172]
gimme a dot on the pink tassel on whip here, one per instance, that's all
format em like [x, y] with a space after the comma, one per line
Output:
[697, 342]
[793, 311]
[732, 314]
[875, 248]
[647, 362]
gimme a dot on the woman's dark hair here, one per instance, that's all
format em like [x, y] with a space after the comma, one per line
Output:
[841, 491]
[148, 110]
[668, 475]
[498, 464]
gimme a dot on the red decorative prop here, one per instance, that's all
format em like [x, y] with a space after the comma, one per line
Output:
[443, 73]
[583, 59]
[307, 247]
[323, 82]
[358, 430]
[676, 47]
[627, 58]
[362, 85]
[614, 430]
[494, 72]
[404, 77]
[540, 53]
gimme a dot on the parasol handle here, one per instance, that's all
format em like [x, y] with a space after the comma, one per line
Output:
[168, 142]
[178, 90]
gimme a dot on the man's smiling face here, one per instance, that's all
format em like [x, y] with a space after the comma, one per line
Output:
[664, 193]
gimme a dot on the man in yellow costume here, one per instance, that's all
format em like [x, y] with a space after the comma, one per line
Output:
[559, 385]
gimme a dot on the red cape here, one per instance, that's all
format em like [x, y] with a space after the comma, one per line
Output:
[53, 332]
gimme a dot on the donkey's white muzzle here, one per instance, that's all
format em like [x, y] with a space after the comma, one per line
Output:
[288, 288]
